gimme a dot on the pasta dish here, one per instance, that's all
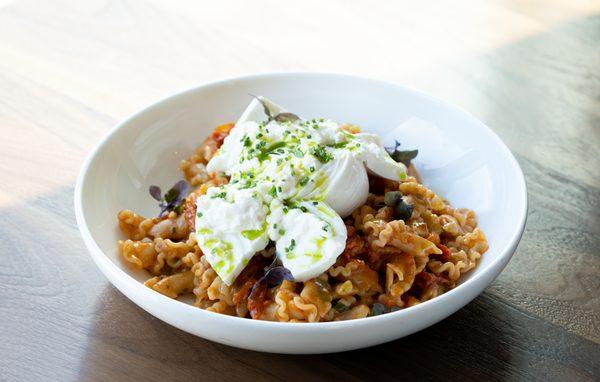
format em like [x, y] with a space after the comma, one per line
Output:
[283, 218]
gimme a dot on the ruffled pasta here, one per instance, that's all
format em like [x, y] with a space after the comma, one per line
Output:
[136, 227]
[355, 278]
[400, 274]
[464, 254]
[141, 254]
[159, 256]
[172, 286]
[312, 304]
[397, 234]
[386, 261]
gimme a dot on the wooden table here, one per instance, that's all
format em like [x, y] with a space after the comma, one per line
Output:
[69, 70]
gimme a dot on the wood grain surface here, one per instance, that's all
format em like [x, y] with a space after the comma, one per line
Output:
[69, 70]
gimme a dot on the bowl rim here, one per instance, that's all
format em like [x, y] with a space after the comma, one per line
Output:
[107, 266]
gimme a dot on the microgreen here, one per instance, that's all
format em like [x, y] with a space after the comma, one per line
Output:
[173, 199]
[286, 117]
[281, 117]
[274, 275]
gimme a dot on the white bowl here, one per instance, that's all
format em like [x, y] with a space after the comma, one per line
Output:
[459, 157]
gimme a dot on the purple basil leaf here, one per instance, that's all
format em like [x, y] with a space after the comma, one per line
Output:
[265, 107]
[155, 192]
[258, 284]
[286, 117]
[276, 275]
[390, 150]
[182, 186]
[177, 192]
[173, 199]
[273, 276]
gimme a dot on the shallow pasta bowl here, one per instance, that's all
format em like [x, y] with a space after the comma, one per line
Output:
[459, 158]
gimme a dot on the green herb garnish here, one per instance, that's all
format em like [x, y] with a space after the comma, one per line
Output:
[265, 152]
[339, 145]
[321, 154]
[273, 191]
[247, 142]
[220, 195]
[291, 247]
[303, 181]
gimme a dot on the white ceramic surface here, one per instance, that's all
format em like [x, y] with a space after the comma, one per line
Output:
[459, 157]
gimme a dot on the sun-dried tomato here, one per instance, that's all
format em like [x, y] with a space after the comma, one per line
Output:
[220, 133]
[445, 256]
[354, 246]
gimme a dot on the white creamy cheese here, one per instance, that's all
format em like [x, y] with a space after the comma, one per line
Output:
[377, 159]
[344, 184]
[308, 236]
[291, 181]
[230, 229]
